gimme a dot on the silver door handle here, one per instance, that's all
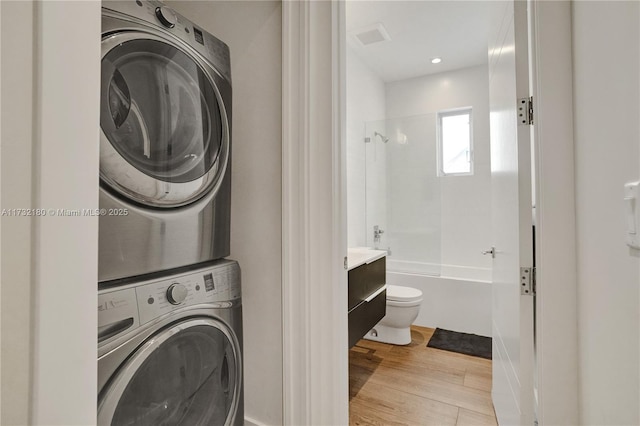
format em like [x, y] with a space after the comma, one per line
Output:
[492, 252]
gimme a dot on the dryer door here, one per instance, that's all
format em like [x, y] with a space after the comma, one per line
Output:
[188, 374]
[165, 135]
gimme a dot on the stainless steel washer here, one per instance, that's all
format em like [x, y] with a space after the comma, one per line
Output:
[170, 349]
[165, 141]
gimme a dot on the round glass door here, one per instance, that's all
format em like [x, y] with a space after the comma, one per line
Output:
[164, 135]
[187, 375]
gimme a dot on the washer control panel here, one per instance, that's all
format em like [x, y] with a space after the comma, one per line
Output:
[218, 286]
[134, 305]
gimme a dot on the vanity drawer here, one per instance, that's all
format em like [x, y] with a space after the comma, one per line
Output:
[365, 316]
[365, 280]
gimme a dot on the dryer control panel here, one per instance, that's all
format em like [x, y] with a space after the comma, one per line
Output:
[155, 14]
[130, 306]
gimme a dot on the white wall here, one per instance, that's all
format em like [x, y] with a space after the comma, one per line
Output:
[17, 127]
[253, 32]
[365, 103]
[465, 200]
[606, 94]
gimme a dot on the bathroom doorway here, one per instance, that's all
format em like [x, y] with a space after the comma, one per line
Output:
[419, 170]
[409, 64]
[325, 397]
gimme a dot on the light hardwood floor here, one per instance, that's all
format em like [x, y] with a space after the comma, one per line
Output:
[417, 385]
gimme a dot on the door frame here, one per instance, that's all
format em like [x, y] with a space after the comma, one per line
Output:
[555, 237]
[50, 147]
[314, 237]
[315, 352]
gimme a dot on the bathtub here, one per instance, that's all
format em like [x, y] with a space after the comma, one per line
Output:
[459, 304]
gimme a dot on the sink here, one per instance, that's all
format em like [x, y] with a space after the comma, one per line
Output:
[357, 256]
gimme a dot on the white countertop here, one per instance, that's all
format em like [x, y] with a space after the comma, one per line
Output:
[357, 256]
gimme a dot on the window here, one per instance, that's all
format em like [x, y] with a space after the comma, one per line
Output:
[455, 143]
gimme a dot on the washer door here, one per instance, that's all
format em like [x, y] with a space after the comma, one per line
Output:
[188, 374]
[165, 135]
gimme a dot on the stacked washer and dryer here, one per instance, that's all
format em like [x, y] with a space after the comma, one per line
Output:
[169, 304]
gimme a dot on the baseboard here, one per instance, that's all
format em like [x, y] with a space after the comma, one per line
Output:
[248, 421]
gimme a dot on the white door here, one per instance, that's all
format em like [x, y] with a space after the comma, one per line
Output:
[513, 320]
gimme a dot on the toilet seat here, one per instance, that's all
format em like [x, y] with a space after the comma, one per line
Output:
[398, 293]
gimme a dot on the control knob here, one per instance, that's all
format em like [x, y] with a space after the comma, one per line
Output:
[176, 293]
[166, 16]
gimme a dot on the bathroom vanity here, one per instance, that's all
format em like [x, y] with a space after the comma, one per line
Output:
[367, 290]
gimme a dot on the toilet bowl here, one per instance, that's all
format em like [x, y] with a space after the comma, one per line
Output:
[403, 306]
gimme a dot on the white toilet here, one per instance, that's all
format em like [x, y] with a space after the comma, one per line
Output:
[403, 306]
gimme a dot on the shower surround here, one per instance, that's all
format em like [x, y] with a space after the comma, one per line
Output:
[435, 227]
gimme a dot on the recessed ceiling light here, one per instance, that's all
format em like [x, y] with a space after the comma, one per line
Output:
[436, 60]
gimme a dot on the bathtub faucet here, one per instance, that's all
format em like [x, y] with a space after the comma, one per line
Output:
[376, 235]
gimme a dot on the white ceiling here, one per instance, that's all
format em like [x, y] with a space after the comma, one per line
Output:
[456, 31]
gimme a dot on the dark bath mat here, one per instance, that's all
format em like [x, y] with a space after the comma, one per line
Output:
[463, 343]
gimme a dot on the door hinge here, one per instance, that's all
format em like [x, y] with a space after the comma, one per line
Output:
[525, 111]
[346, 264]
[528, 281]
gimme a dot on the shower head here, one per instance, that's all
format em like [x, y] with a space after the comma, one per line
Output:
[382, 137]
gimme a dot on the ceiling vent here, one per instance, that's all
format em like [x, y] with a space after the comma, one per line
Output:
[371, 34]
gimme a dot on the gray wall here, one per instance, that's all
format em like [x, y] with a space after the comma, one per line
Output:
[606, 93]
[253, 31]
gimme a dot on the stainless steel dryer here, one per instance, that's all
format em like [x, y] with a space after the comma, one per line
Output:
[165, 141]
[170, 350]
